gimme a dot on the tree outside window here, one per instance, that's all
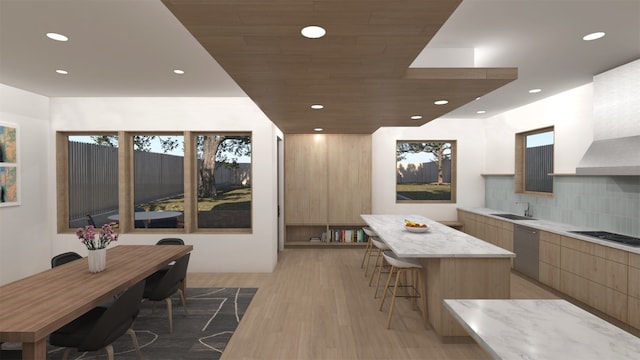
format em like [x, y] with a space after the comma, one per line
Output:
[207, 179]
[425, 171]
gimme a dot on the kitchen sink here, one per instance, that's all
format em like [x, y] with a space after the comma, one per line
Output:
[514, 217]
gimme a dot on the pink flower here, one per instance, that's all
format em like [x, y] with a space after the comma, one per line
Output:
[105, 234]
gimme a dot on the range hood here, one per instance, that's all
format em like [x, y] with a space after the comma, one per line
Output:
[615, 149]
[618, 156]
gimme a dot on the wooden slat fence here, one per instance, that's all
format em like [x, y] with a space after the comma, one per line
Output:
[409, 172]
[538, 166]
[93, 178]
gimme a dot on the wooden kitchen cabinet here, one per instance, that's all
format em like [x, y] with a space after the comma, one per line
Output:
[633, 306]
[327, 185]
[549, 260]
[602, 277]
[596, 275]
[494, 231]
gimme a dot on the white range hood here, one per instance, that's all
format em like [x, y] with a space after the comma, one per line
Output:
[616, 133]
[617, 156]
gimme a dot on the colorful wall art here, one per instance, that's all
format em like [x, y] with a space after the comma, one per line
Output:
[9, 168]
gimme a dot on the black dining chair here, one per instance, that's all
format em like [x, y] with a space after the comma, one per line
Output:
[64, 258]
[163, 284]
[10, 354]
[170, 241]
[101, 326]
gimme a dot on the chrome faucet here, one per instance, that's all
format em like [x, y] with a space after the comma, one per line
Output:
[527, 210]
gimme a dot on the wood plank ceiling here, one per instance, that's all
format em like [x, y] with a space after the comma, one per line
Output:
[359, 71]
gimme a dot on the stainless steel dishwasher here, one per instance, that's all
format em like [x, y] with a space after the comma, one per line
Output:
[527, 249]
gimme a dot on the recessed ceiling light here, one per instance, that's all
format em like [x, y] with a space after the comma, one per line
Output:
[534, 91]
[178, 71]
[593, 36]
[318, 129]
[62, 72]
[313, 32]
[57, 37]
[416, 117]
[478, 98]
[441, 102]
[481, 111]
[317, 106]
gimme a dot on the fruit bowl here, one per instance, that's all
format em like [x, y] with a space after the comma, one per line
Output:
[417, 229]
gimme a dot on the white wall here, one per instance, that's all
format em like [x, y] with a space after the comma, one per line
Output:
[485, 146]
[571, 114]
[25, 239]
[470, 138]
[256, 252]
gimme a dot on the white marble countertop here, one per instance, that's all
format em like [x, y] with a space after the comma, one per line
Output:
[554, 227]
[439, 242]
[542, 330]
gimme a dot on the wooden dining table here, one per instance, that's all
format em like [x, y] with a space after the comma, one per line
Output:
[34, 307]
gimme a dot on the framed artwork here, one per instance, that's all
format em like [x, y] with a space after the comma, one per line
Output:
[9, 165]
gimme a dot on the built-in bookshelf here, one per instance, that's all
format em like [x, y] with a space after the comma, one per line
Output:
[327, 187]
[324, 235]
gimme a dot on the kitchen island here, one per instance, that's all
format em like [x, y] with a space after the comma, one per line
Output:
[542, 329]
[455, 266]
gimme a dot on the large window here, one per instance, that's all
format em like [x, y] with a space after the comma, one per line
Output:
[534, 161]
[426, 171]
[160, 181]
[92, 179]
[224, 180]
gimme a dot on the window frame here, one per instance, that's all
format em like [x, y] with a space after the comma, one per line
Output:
[454, 181]
[520, 161]
[126, 183]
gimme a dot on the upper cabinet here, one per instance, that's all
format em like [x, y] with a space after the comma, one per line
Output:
[349, 178]
[327, 182]
[306, 185]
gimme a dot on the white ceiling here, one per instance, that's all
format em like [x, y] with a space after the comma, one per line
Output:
[129, 48]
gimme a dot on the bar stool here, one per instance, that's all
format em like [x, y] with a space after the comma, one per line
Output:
[368, 251]
[381, 248]
[402, 266]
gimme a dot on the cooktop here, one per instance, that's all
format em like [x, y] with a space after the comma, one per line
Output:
[622, 239]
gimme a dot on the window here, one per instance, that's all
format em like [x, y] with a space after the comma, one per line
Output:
[158, 179]
[426, 171]
[534, 161]
[178, 182]
[92, 178]
[224, 180]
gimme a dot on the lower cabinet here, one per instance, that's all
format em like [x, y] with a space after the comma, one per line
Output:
[633, 306]
[596, 275]
[602, 277]
[549, 260]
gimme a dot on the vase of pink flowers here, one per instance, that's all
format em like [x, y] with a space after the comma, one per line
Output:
[96, 241]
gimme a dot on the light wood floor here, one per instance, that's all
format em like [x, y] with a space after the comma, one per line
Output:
[317, 305]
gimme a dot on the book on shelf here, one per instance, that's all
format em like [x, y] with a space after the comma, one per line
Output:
[348, 235]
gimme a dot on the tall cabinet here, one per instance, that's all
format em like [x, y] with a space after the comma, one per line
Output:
[327, 187]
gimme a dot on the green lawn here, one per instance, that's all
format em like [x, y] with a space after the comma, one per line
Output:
[228, 199]
[424, 191]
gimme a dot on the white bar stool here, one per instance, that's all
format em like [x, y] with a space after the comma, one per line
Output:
[381, 248]
[401, 266]
[368, 252]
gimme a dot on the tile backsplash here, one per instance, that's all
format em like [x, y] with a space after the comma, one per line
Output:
[606, 203]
